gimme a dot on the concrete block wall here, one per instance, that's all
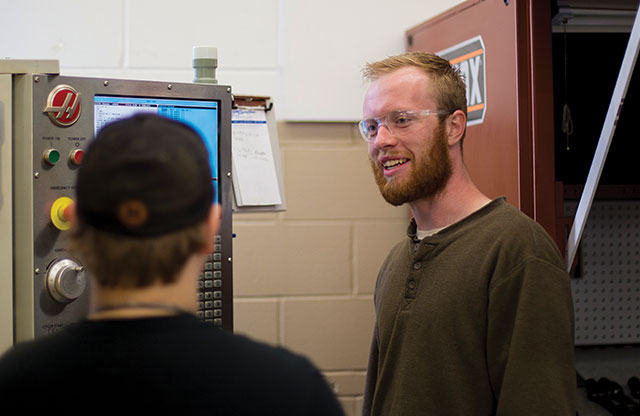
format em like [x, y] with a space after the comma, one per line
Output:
[304, 278]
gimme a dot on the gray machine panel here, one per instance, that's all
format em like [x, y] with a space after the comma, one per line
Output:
[40, 186]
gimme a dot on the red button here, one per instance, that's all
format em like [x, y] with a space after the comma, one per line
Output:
[76, 156]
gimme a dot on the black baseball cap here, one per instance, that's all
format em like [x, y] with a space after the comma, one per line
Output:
[144, 176]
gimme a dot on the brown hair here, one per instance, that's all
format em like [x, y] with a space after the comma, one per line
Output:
[117, 261]
[449, 89]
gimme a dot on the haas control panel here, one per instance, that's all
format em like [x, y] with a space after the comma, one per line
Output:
[54, 120]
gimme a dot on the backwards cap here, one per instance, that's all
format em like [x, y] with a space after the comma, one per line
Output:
[144, 176]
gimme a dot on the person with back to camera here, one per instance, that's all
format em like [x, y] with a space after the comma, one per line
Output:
[474, 314]
[143, 223]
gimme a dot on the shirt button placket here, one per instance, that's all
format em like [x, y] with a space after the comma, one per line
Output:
[412, 284]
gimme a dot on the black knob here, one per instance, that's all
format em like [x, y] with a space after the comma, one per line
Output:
[634, 386]
[615, 390]
[592, 391]
[605, 387]
[610, 395]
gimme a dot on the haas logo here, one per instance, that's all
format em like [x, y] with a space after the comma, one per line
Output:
[63, 105]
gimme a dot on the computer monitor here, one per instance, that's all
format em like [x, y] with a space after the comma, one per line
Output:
[202, 115]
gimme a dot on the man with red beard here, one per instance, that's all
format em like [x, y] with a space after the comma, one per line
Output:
[474, 314]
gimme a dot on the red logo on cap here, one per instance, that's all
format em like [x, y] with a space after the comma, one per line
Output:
[63, 105]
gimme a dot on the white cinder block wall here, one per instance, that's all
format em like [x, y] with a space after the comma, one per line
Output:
[303, 278]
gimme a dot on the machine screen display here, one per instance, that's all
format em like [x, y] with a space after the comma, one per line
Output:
[201, 115]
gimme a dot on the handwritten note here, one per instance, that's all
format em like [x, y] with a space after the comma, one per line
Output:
[255, 179]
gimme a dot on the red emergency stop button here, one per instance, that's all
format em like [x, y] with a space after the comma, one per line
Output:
[76, 156]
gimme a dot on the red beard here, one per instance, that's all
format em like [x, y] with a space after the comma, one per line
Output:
[429, 175]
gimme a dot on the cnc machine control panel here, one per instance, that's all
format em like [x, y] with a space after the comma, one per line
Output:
[55, 118]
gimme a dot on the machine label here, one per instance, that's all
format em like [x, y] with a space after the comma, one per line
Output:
[469, 58]
[52, 328]
[63, 105]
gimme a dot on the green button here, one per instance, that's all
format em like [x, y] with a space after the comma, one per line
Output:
[52, 156]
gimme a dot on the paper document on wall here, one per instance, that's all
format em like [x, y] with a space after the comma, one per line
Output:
[254, 174]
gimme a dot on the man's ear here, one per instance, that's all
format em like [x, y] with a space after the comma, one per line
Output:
[456, 125]
[212, 225]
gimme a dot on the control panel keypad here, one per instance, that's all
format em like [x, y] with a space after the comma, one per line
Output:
[210, 283]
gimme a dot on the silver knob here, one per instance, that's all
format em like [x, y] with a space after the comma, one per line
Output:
[66, 280]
